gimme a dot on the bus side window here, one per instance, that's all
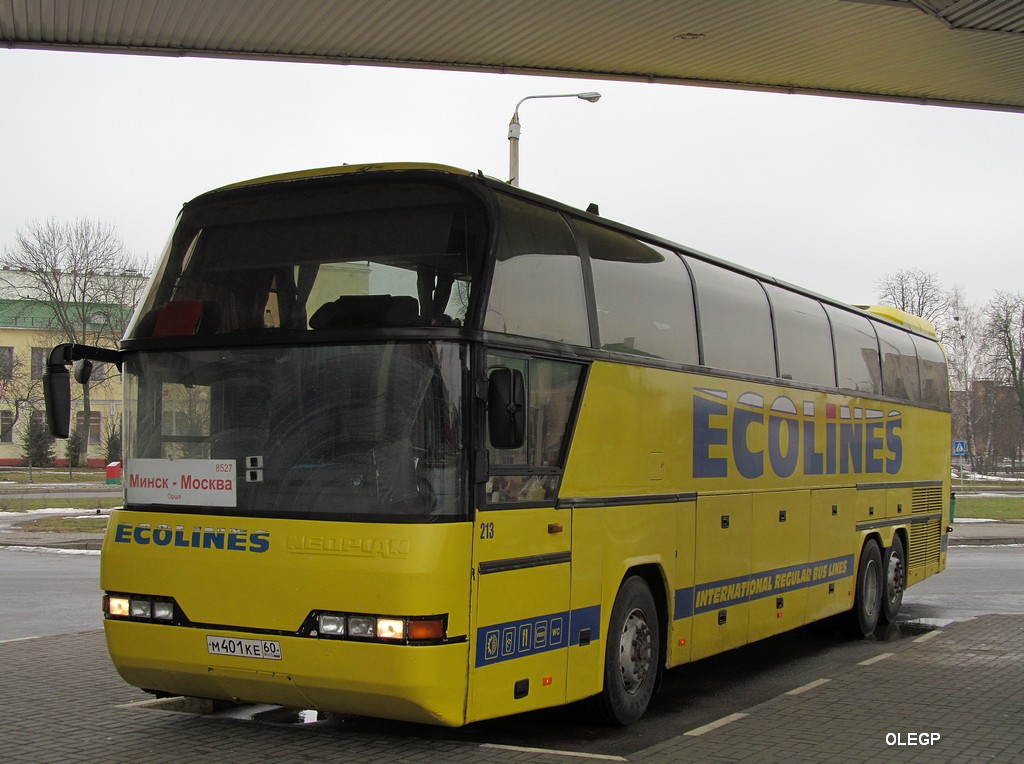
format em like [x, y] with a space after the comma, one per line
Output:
[803, 336]
[532, 473]
[537, 289]
[643, 295]
[857, 359]
[934, 374]
[735, 321]
[900, 377]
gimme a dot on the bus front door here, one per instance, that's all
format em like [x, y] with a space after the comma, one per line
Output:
[523, 543]
[521, 565]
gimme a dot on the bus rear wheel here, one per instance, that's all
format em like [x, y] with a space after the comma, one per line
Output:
[867, 604]
[632, 654]
[894, 580]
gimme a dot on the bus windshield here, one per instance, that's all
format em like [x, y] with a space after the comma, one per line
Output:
[368, 431]
[331, 254]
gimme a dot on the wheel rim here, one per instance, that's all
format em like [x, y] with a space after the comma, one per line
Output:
[894, 578]
[635, 648]
[871, 581]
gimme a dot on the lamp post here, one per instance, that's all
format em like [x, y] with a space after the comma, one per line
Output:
[514, 130]
[965, 381]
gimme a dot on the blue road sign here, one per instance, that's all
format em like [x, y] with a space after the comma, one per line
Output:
[959, 448]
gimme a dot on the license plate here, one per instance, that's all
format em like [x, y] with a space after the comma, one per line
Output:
[267, 649]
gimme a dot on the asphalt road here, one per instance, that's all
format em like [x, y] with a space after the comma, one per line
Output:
[48, 593]
[978, 580]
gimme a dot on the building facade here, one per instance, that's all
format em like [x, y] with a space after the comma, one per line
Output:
[26, 338]
[988, 418]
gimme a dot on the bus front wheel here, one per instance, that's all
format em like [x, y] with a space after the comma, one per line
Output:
[894, 579]
[632, 653]
[867, 604]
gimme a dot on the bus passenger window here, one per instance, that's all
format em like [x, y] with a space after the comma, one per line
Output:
[532, 473]
[735, 322]
[643, 295]
[899, 363]
[857, 359]
[537, 289]
[934, 374]
[803, 336]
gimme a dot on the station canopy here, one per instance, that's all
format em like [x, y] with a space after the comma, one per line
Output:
[966, 53]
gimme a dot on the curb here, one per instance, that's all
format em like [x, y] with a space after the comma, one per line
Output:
[70, 488]
[1007, 541]
[82, 544]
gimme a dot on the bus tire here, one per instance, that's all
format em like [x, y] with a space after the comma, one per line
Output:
[894, 579]
[867, 603]
[632, 653]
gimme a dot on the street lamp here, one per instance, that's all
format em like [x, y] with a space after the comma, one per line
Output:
[965, 382]
[514, 130]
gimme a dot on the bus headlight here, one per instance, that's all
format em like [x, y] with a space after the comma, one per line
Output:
[163, 611]
[376, 628]
[119, 607]
[362, 626]
[331, 624]
[390, 628]
[137, 607]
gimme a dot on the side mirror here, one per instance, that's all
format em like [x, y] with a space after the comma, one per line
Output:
[57, 380]
[83, 371]
[506, 408]
[57, 394]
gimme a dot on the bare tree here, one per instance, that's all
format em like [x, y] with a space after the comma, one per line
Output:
[86, 276]
[963, 335]
[19, 389]
[914, 291]
[1004, 323]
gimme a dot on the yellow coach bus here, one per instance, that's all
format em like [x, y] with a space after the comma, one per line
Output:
[404, 441]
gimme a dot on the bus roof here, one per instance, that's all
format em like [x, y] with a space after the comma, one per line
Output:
[346, 169]
[885, 312]
[897, 316]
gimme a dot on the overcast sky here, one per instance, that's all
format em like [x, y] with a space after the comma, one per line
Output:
[830, 194]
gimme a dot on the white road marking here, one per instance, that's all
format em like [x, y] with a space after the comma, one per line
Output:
[552, 752]
[876, 659]
[808, 686]
[715, 724]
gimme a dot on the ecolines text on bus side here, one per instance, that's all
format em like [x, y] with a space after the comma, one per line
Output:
[782, 438]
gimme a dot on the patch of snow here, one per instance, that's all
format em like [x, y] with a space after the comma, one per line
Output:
[52, 550]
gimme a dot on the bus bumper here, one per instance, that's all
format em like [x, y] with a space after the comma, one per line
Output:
[425, 684]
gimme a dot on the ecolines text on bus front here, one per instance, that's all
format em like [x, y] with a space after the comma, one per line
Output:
[231, 539]
[752, 436]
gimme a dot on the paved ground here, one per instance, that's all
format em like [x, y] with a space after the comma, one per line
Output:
[952, 695]
[955, 694]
